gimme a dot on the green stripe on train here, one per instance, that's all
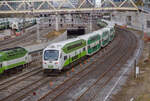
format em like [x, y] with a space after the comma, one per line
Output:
[72, 59]
[105, 42]
[11, 66]
[70, 47]
[14, 65]
[94, 49]
[105, 33]
[94, 39]
[1, 70]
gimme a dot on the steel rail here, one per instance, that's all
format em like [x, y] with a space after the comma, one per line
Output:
[23, 96]
[87, 74]
[42, 98]
[131, 50]
[31, 90]
[20, 97]
[23, 89]
[111, 77]
[18, 79]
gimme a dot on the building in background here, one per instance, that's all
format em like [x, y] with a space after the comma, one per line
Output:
[146, 3]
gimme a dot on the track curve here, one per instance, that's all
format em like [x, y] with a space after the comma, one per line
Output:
[78, 85]
[79, 89]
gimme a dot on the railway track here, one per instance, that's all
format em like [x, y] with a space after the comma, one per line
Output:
[14, 41]
[93, 90]
[22, 40]
[73, 80]
[70, 78]
[44, 80]
[4, 85]
[62, 92]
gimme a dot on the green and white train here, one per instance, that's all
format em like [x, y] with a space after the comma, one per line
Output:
[59, 55]
[62, 54]
[13, 57]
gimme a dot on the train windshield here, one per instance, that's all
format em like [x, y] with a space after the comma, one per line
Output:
[51, 55]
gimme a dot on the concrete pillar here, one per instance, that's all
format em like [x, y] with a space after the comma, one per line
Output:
[38, 32]
[57, 22]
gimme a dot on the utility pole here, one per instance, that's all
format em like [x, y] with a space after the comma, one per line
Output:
[90, 22]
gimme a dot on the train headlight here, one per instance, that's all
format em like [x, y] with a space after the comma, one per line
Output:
[56, 62]
[44, 62]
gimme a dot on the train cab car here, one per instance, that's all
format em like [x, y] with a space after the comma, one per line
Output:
[59, 55]
[13, 57]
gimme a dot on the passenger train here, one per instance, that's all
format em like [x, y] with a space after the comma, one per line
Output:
[13, 57]
[58, 56]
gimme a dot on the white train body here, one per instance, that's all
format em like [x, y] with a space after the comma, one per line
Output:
[59, 55]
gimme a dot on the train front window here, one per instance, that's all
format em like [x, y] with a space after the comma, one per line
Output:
[51, 55]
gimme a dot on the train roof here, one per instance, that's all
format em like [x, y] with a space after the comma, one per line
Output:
[109, 23]
[102, 30]
[12, 53]
[86, 36]
[8, 49]
[60, 44]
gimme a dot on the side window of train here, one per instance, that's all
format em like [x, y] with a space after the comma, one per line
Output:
[65, 57]
[88, 47]
[10, 54]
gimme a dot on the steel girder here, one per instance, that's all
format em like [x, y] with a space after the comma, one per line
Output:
[41, 6]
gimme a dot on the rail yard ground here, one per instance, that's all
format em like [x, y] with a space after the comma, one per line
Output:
[35, 86]
[30, 38]
[138, 88]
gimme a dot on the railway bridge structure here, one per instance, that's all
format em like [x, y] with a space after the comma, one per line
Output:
[49, 6]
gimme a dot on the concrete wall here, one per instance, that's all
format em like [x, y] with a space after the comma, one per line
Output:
[137, 19]
[38, 47]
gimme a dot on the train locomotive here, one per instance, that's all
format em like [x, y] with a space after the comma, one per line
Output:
[58, 56]
[13, 57]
